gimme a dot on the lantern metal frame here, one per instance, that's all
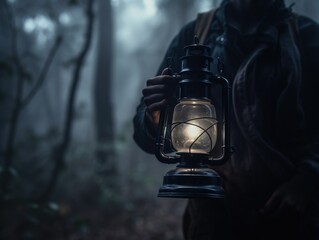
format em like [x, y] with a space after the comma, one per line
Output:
[193, 176]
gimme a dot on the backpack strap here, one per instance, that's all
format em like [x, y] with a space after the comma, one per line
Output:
[202, 25]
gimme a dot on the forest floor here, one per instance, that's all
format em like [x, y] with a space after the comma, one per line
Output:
[160, 219]
[148, 219]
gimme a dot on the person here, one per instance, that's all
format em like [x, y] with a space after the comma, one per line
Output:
[272, 179]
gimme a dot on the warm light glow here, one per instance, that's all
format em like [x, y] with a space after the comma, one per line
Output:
[194, 127]
[192, 132]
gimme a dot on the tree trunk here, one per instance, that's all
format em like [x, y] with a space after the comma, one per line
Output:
[102, 88]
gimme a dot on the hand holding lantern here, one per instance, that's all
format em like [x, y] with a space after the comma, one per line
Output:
[190, 133]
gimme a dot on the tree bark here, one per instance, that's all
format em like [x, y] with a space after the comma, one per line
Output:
[102, 87]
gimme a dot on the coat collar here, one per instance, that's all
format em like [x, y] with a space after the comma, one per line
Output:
[277, 14]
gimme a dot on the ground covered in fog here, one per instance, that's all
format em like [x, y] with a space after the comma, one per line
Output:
[143, 220]
[146, 219]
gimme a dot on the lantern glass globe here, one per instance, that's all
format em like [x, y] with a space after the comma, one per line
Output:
[194, 126]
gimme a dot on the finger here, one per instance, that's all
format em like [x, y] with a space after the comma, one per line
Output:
[156, 117]
[152, 118]
[162, 79]
[156, 89]
[157, 106]
[167, 71]
[154, 98]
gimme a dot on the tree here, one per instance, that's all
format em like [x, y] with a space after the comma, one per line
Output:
[102, 87]
[20, 101]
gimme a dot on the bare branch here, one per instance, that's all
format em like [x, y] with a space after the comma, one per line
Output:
[19, 102]
[60, 150]
[43, 73]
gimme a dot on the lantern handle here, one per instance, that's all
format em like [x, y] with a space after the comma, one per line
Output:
[227, 149]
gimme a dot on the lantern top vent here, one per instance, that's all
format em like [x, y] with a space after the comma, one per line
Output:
[196, 61]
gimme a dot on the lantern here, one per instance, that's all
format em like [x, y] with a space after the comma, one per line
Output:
[192, 132]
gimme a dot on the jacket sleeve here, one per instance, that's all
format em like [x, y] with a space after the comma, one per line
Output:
[144, 132]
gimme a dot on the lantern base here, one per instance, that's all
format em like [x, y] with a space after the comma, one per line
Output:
[185, 182]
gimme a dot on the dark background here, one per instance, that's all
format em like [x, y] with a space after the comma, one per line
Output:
[71, 75]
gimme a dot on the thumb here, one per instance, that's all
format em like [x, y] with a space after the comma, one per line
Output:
[156, 117]
[167, 71]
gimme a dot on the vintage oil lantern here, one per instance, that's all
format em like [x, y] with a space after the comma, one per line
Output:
[192, 132]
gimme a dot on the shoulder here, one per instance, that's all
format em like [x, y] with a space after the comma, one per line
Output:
[307, 24]
[309, 36]
[309, 32]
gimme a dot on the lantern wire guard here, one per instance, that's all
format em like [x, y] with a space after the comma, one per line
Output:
[194, 177]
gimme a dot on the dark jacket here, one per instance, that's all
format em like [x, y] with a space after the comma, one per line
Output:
[274, 75]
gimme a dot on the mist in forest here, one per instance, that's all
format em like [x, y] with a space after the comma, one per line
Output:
[71, 75]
